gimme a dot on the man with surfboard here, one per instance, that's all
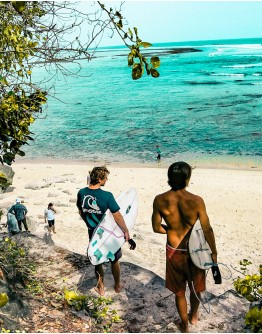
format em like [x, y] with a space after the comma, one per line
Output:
[180, 210]
[92, 203]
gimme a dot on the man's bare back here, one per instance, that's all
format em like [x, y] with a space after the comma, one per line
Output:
[179, 209]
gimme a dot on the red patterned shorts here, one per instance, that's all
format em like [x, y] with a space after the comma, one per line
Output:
[180, 270]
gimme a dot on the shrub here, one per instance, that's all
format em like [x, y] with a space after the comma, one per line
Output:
[250, 287]
[97, 308]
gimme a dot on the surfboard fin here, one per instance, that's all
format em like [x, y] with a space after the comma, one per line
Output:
[110, 256]
[128, 209]
[93, 244]
[100, 232]
[98, 254]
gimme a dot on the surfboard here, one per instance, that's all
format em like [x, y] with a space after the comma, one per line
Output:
[108, 236]
[199, 249]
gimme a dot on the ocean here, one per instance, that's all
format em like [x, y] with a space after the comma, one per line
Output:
[205, 108]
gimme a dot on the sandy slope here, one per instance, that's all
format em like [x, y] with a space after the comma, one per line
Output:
[233, 199]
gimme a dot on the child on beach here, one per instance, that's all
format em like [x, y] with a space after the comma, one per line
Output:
[50, 217]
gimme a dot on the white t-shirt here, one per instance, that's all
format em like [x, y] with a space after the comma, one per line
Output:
[49, 214]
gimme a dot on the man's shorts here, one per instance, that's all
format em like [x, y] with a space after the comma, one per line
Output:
[118, 254]
[180, 270]
[51, 223]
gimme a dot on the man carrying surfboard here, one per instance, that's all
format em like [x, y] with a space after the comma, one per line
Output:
[92, 203]
[180, 210]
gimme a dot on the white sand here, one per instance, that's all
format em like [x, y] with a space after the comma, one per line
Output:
[233, 199]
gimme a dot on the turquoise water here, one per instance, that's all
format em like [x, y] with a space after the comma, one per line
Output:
[205, 105]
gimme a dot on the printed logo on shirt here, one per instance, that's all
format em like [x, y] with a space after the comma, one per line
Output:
[90, 205]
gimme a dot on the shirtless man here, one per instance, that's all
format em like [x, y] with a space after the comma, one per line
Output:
[180, 210]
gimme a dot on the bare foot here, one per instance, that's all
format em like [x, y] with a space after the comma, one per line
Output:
[181, 326]
[54, 232]
[100, 290]
[118, 288]
[192, 319]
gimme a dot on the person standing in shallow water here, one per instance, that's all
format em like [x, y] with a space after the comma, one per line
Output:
[180, 210]
[92, 203]
[158, 153]
[50, 217]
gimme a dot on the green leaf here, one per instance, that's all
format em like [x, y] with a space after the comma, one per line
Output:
[29, 138]
[130, 59]
[3, 81]
[154, 73]
[119, 15]
[8, 158]
[19, 6]
[245, 290]
[155, 61]
[137, 71]
[130, 33]
[11, 93]
[3, 299]
[13, 144]
[253, 319]
[120, 24]
[21, 153]
[145, 44]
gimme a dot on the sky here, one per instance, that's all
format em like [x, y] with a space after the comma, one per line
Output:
[176, 21]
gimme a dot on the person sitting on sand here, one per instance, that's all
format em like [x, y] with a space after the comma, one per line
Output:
[92, 203]
[180, 210]
[20, 211]
[50, 217]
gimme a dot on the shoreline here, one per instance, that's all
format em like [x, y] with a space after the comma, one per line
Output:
[247, 164]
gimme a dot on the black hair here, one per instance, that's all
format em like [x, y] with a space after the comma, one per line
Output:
[49, 205]
[178, 174]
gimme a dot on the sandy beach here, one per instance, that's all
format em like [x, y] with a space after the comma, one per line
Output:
[233, 199]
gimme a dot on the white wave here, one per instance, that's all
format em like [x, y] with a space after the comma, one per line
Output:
[247, 55]
[244, 66]
[230, 46]
[244, 46]
[228, 74]
[214, 54]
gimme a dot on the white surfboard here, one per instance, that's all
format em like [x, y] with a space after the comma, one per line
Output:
[199, 249]
[108, 236]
